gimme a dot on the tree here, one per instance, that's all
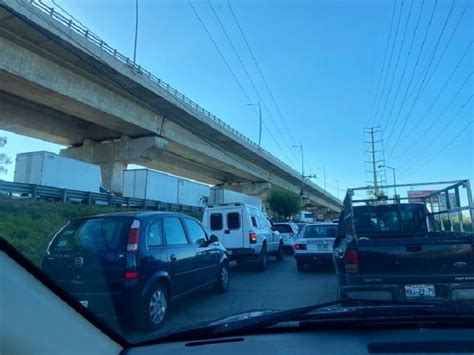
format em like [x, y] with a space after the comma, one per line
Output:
[284, 203]
[4, 159]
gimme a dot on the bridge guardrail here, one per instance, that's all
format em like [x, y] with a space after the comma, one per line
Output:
[47, 192]
[92, 37]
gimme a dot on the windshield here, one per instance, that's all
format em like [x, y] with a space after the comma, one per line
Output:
[283, 228]
[169, 164]
[391, 219]
[92, 235]
[319, 231]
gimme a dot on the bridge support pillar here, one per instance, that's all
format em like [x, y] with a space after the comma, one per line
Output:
[114, 156]
[112, 175]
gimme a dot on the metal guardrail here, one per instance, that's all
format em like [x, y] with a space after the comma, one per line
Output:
[91, 198]
[90, 36]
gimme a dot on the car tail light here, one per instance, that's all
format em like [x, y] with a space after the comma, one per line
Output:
[131, 275]
[352, 261]
[253, 238]
[299, 246]
[133, 236]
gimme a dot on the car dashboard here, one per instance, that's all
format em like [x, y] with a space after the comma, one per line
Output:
[350, 341]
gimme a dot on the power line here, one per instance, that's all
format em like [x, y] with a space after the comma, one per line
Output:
[396, 64]
[460, 132]
[427, 131]
[428, 145]
[219, 51]
[422, 117]
[260, 71]
[227, 64]
[369, 118]
[449, 41]
[389, 61]
[405, 65]
[250, 78]
[410, 81]
[420, 89]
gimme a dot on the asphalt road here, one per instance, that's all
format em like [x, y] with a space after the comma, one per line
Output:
[280, 287]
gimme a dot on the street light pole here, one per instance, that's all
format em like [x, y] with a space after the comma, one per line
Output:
[136, 32]
[302, 170]
[260, 120]
[324, 176]
[394, 177]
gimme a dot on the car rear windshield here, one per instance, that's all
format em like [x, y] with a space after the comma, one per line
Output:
[390, 219]
[283, 228]
[315, 231]
[91, 235]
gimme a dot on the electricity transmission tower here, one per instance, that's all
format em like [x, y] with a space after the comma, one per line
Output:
[376, 158]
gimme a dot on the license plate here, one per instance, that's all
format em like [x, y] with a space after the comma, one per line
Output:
[319, 246]
[420, 291]
[84, 303]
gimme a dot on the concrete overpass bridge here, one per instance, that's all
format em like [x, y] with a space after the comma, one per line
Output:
[61, 83]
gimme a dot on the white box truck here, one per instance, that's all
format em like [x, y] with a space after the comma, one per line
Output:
[220, 196]
[192, 193]
[49, 169]
[155, 185]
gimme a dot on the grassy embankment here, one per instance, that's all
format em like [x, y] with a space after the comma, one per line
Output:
[29, 224]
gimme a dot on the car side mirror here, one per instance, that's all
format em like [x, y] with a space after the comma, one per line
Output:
[213, 238]
[273, 228]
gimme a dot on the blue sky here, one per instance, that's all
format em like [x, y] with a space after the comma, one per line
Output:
[322, 61]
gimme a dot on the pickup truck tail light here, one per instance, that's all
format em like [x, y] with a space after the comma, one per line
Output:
[299, 246]
[351, 259]
[253, 238]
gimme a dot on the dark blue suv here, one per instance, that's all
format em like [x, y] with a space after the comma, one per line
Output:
[134, 264]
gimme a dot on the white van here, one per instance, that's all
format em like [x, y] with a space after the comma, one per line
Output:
[245, 231]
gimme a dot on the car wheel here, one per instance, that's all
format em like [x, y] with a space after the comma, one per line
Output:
[279, 254]
[300, 265]
[156, 307]
[262, 259]
[223, 279]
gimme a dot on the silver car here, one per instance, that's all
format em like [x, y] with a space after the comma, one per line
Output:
[315, 244]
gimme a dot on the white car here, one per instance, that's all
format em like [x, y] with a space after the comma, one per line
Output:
[315, 244]
[245, 231]
[288, 232]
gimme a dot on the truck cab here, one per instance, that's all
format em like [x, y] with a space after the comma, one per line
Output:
[406, 249]
[245, 231]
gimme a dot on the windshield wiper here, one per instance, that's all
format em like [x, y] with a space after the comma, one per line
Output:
[346, 308]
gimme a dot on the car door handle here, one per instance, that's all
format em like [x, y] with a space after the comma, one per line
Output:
[173, 257]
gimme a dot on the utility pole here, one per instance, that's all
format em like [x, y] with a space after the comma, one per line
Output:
[260, 121]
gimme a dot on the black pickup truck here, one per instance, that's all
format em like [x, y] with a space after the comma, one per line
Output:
[407, 248]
